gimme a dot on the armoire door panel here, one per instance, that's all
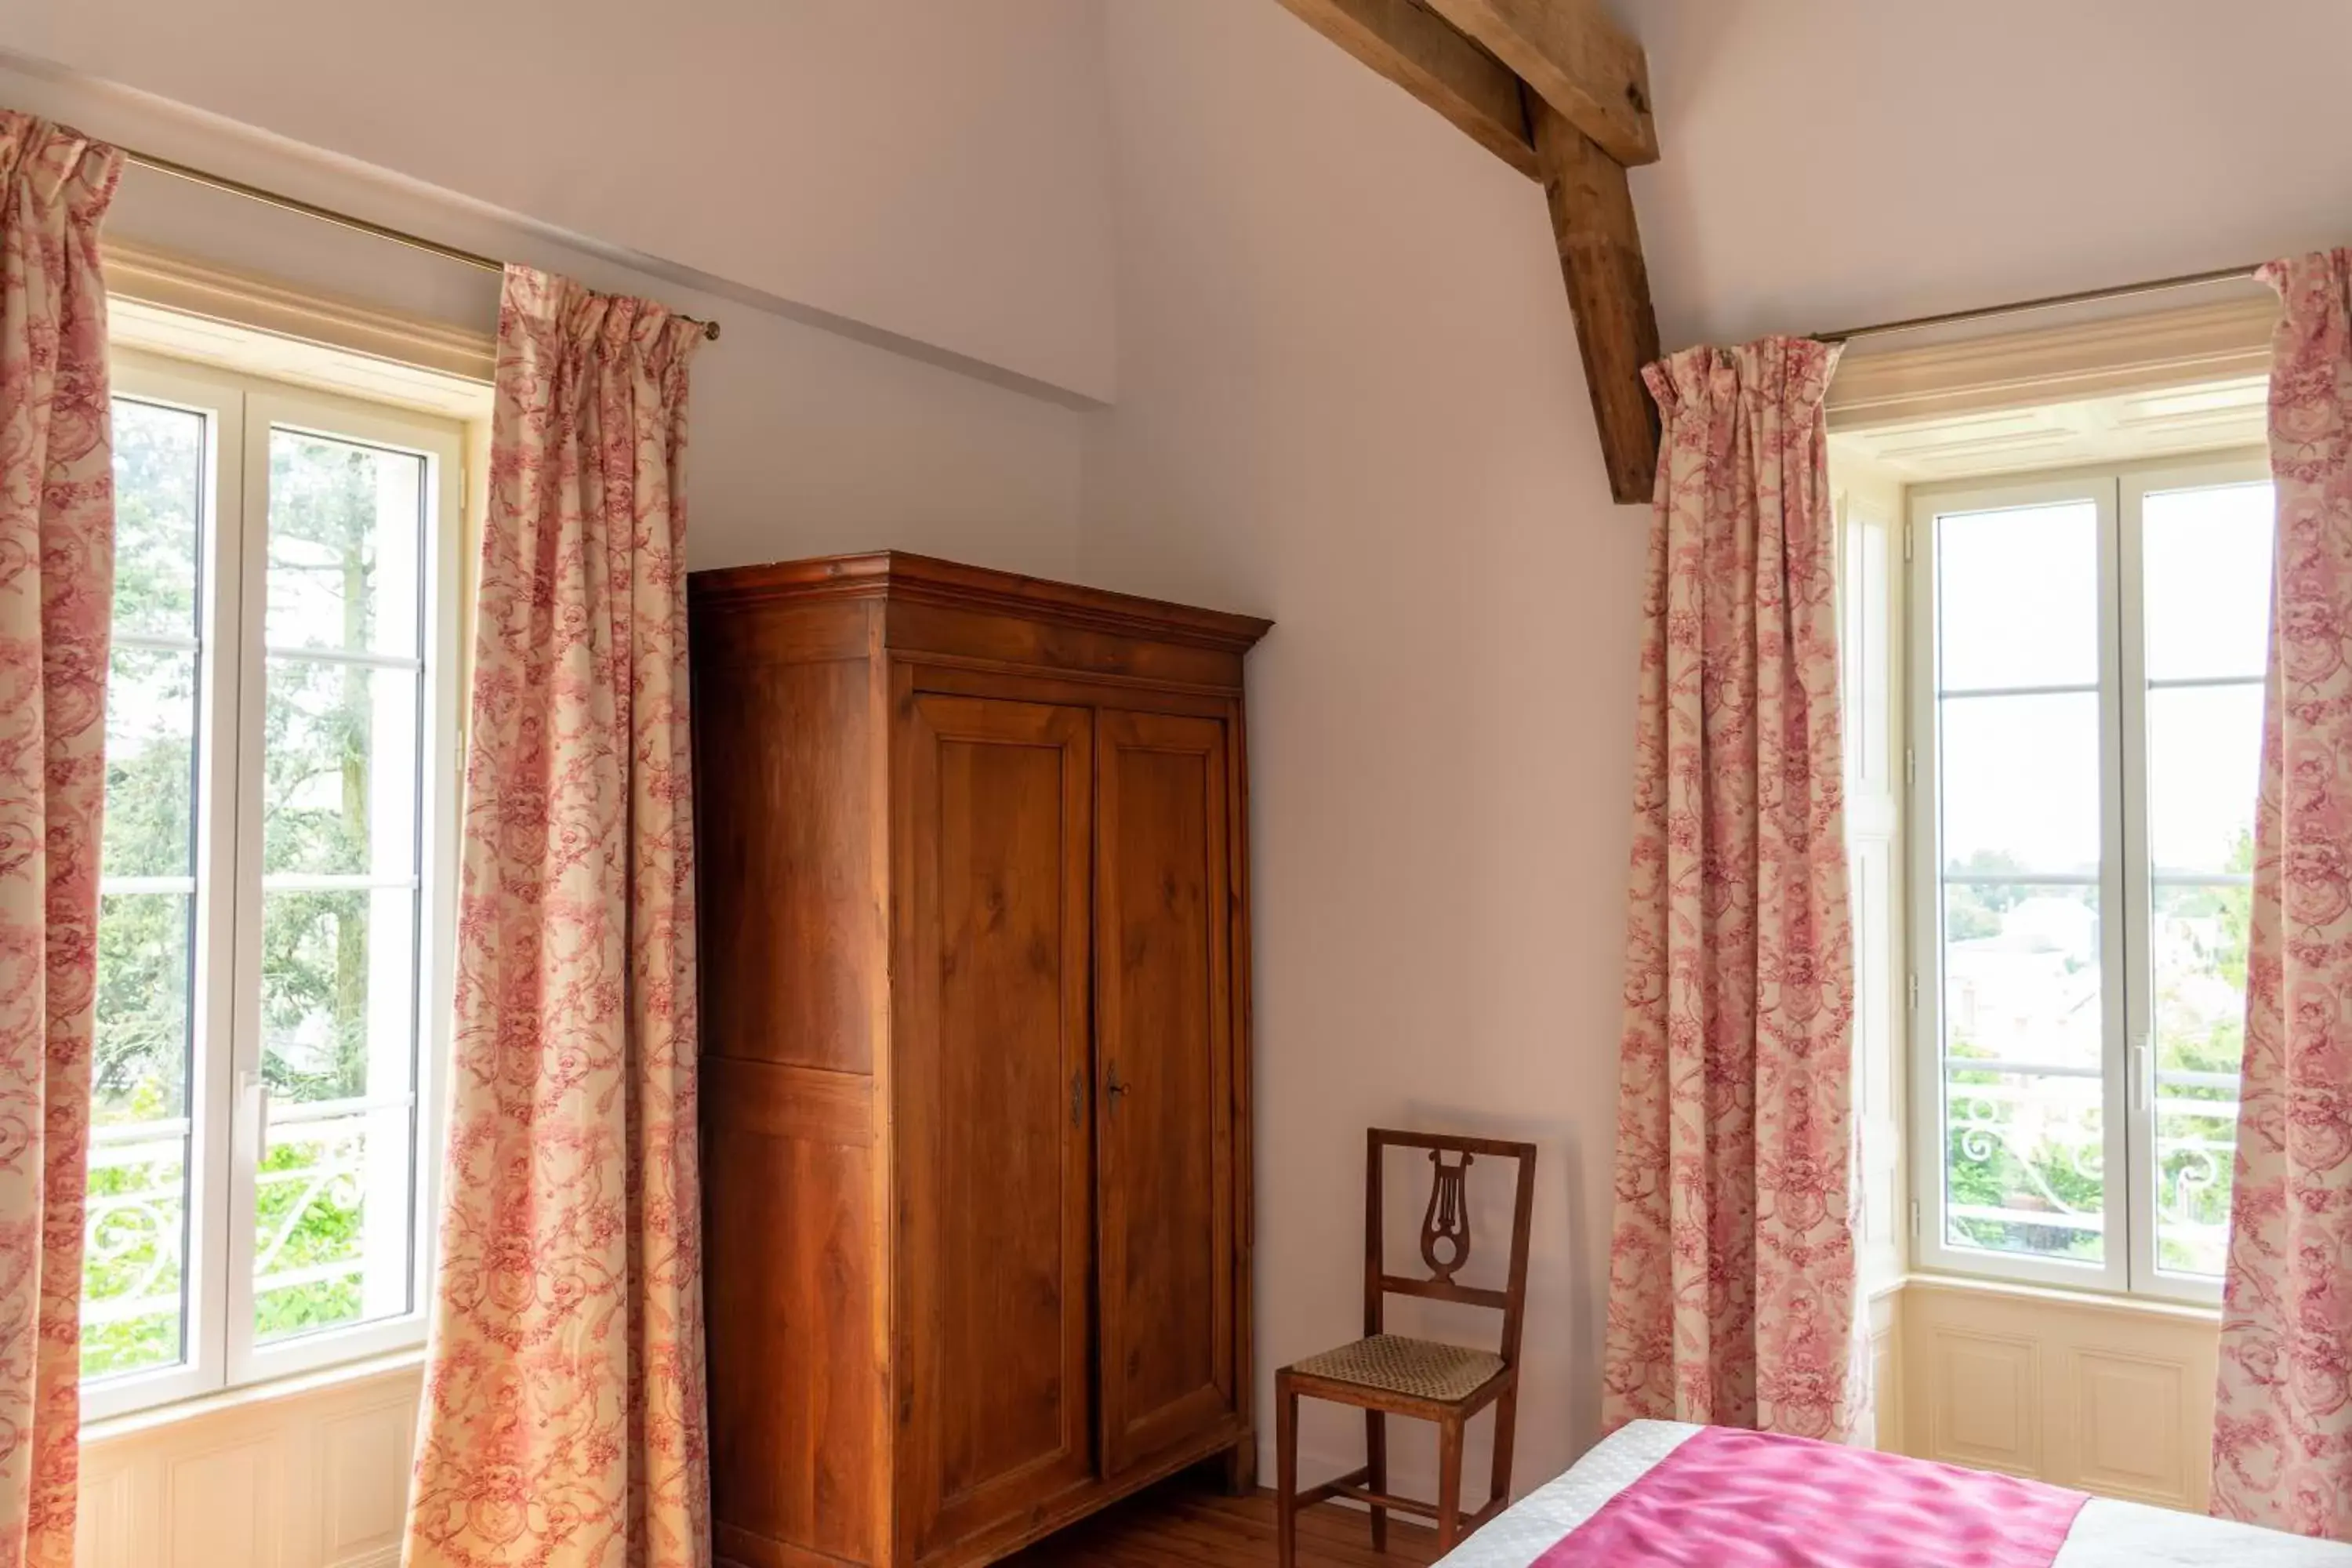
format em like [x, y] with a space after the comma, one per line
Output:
[1164, 1060]
[787, 856]
[994, 1138]
[793, 1286]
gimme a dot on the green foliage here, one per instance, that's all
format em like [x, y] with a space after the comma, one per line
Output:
[2004, 1182]
[314, 789]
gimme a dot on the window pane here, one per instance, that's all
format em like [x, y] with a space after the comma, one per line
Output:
[2206, 564]
[340, 794]
[338, 982]
[136, 1235]
[139, 1067]
[2204, 767]
[158, 473]
[346, 543]
[2021, 975]
[2020, 785]
[135, 1239]
[151, 759]
[2022, 1163]
[2018, 597]
[334, 1214]
[331, 1224]
[2197, 956]
[135, 1243]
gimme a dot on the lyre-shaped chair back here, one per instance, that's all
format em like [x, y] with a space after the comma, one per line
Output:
[1445, 1233]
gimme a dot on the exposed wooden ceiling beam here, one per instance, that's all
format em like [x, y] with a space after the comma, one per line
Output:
[1576, 60]
[1575, 124]
[1609, 292]
[1430, 58]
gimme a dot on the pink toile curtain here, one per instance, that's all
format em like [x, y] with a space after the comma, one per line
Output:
[1732, 1288]
[2283, 1421]
[57, 584]
[564, 1419]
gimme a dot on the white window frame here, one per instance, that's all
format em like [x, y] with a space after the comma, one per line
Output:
[2124, 885]
[228, 1110]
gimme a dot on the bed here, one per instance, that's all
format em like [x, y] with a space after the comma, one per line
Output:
[1563, 1524]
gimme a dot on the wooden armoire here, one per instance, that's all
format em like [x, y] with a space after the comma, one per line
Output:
[974, 940]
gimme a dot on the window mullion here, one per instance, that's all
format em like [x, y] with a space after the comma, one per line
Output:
[2127, 896]
[248, 1101]
[218, 840]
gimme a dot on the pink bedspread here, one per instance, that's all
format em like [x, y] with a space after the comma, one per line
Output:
[1727, 1499]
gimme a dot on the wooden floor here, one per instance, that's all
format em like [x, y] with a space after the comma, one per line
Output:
[1183, 1523]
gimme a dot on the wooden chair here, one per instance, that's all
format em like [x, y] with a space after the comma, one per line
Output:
[1387, 1374]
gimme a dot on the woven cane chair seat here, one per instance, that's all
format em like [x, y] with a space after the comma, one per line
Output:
[1421, 1368]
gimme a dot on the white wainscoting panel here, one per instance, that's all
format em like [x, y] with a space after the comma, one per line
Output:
[363, 1481]
[217, 1504]
[104, 1522]
[2130, 1425]
[2112, 1397]
[1886, 1370]
[1984, 1387]
[310, 1474]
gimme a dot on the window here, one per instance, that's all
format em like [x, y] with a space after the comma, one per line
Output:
[2087, 672]
[275, 888]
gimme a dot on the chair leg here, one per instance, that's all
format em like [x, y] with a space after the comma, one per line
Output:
[1376, 1471]
[1285, 1473]
[1507, 1422]
[1449, 1485]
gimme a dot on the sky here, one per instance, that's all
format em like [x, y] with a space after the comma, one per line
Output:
[2020, 636]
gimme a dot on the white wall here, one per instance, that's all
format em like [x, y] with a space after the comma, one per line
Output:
[1349, 400]
[1832, 163]
[806, 441]
[927, 168]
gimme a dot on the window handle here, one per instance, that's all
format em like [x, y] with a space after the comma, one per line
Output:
[256, 1090]
[2143, 1076]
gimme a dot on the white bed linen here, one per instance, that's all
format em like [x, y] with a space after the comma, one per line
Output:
[2106, 1533]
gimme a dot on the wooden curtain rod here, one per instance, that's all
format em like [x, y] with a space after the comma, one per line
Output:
[2047, 303]
[328, 215]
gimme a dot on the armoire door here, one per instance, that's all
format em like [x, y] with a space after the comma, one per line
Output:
[992, 1085]
[1163, 1025]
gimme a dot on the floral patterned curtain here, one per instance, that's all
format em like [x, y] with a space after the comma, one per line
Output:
[2283, 1421]
[57, 586]
[564, 1419]
[1732, 1287]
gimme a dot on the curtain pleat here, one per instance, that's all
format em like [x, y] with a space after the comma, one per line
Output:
[57, 587]
[2283, 1416]
[564, 1419]
[1732, 1288]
